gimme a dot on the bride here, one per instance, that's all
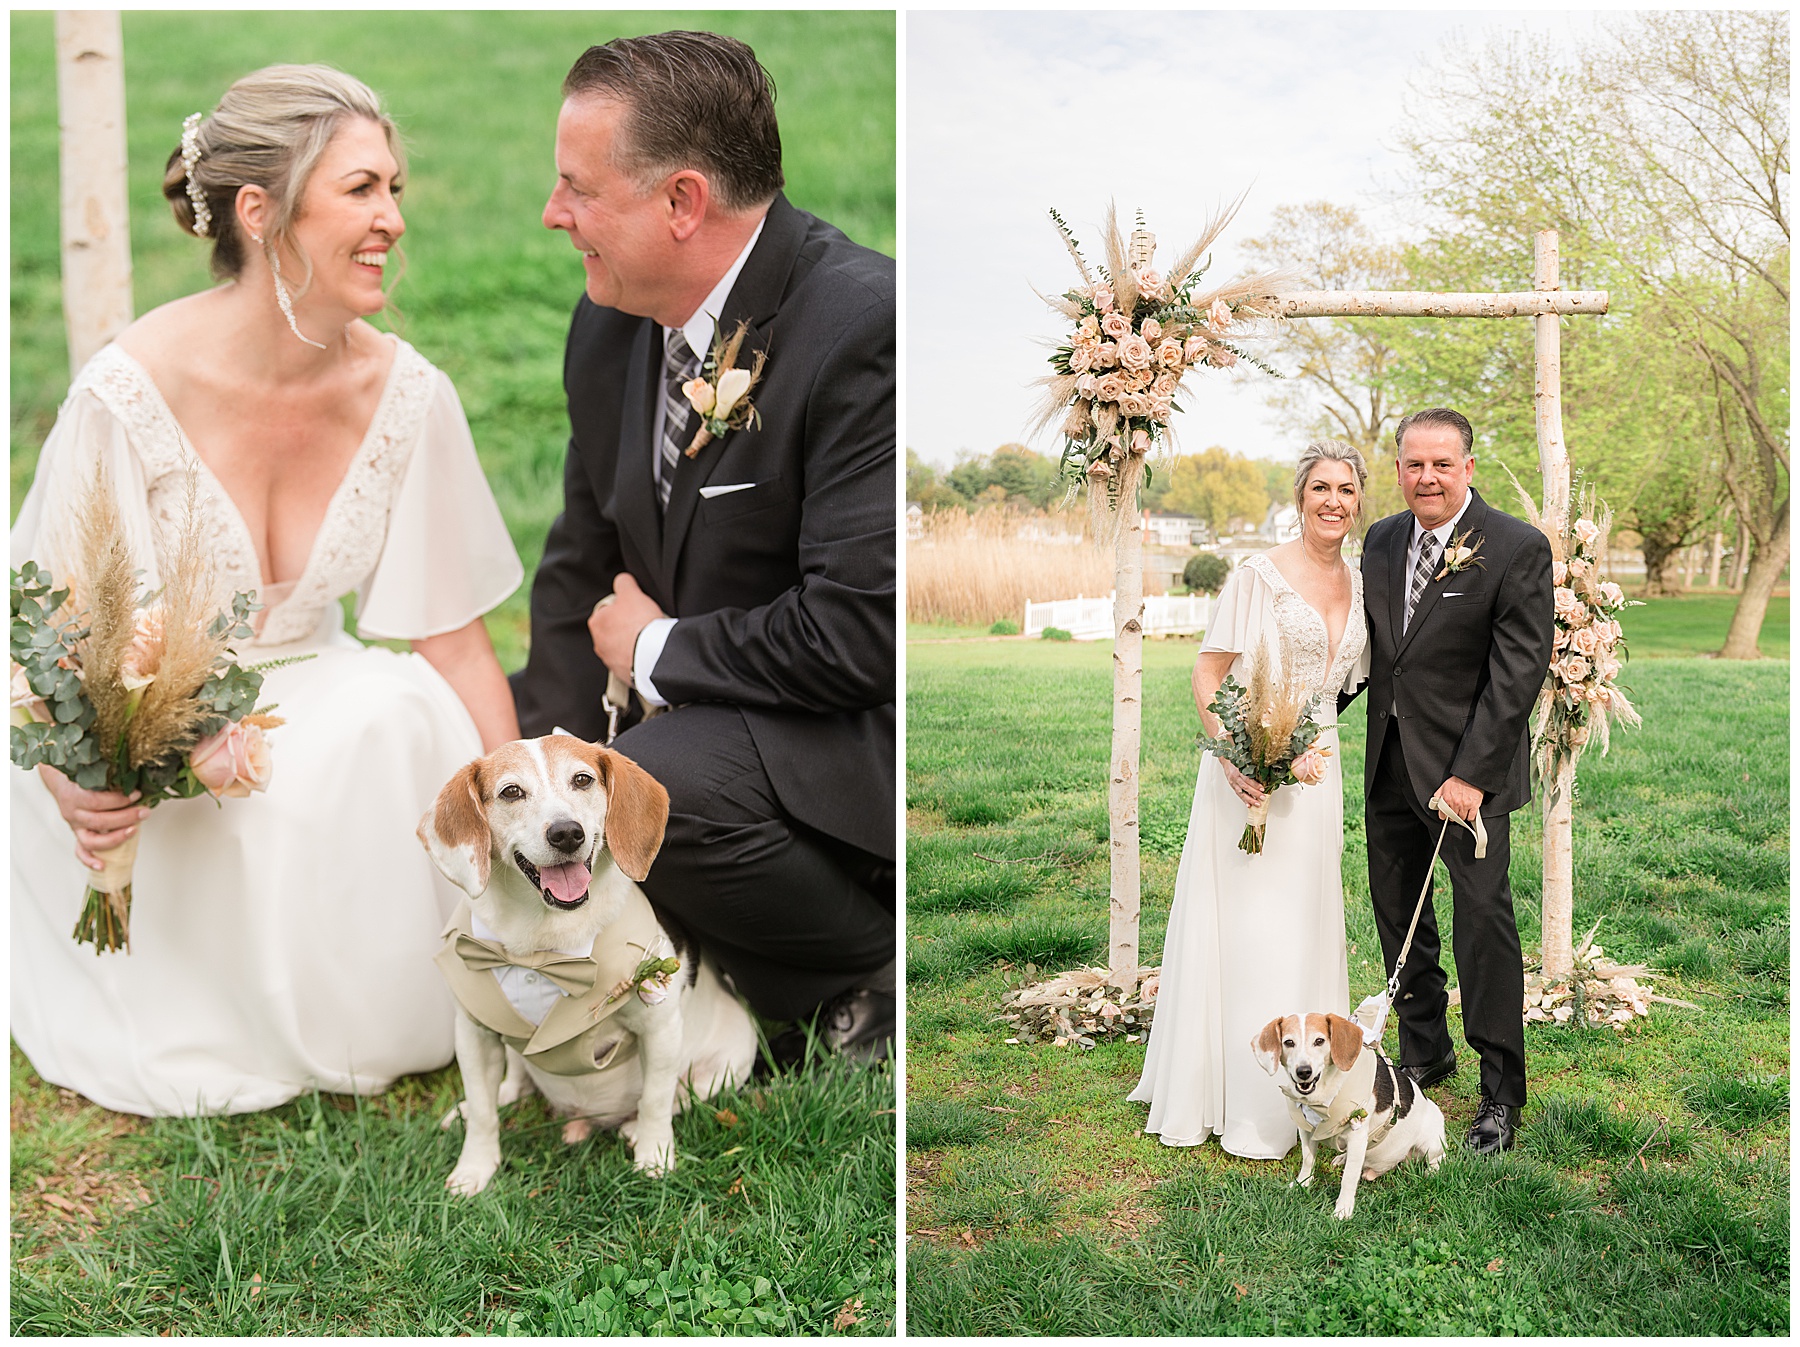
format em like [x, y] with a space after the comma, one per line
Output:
[285, 940]
[1252, 937]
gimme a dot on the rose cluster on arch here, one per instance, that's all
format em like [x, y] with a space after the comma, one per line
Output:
[1581, 697]
[1137, 334]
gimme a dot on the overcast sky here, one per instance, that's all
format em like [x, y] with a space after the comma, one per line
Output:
[1011, 113]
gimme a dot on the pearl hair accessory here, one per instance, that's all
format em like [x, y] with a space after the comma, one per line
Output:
[190, 157]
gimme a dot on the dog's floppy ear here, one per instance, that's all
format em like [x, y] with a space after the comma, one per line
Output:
[1267, 1045]
[637, 811]
[1346, 1041]
[455, 832]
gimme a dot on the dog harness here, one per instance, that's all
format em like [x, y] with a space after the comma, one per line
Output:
[574, 1038]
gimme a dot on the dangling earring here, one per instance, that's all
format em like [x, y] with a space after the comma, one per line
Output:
[281, 298]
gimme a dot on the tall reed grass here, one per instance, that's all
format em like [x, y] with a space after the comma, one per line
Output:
[975, 569]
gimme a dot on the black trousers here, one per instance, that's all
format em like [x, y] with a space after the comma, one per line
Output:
[793, 915]
[1485, 937]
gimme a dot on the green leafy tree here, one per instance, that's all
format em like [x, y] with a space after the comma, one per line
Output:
[1218, 486]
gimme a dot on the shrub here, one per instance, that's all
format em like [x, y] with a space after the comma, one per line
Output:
[1057, 634]
[1004, 627]
[1205, 573]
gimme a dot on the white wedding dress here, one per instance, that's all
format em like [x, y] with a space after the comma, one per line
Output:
[282, 941]
[1253, 937]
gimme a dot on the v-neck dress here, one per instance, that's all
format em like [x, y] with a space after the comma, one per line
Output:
[1253, 937]
[283, 941]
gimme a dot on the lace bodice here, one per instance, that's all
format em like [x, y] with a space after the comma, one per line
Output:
[1304, 632]
[349, 541]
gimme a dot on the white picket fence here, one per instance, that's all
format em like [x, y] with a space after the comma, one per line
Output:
[1091, 619]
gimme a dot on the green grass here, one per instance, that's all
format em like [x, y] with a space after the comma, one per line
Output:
[338, 1207]
[1650, 1193]
[1696, 625]
[329, 1216]
[488, 291]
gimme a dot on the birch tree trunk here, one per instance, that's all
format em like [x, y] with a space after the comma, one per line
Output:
[1718, 549]
[1128, 717]
[96, 233]
[1558, 933]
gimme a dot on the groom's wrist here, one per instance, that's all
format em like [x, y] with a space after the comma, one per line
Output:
[644, 657]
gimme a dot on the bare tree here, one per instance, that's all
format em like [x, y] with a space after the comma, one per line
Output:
[1339, 369]
[1698, 102]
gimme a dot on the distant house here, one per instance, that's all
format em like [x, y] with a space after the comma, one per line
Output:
[1168, 529]
[1281, 524]
[915, 520]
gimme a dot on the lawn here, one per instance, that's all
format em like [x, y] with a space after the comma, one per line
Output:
[328, 1216]
[1649, 1195]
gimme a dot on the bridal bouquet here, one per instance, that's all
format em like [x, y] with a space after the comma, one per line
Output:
[1137, 334]
[1581, 697]
[129, 692]
[1269, 735]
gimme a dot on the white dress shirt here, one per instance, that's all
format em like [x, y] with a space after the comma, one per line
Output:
[698, 331]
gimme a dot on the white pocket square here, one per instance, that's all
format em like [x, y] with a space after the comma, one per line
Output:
[710, 491]
[1453, 593]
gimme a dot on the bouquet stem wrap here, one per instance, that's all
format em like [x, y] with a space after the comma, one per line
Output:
[1255, 829]
[105, 919]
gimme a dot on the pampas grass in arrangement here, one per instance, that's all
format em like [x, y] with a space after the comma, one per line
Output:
[116, 689]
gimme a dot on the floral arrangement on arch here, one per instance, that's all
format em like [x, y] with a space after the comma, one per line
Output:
[125, 691]
[1137, 334]
[1581, 697]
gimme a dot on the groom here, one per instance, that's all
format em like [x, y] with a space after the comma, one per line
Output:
[752, 580]
[1459, 641]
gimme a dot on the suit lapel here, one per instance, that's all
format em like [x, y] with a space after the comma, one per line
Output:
[754, 299]
[1471, 522]
[634, 483]
[1395, 556]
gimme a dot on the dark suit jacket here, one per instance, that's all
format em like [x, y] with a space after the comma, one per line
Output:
[784, 591]
[1465, 674]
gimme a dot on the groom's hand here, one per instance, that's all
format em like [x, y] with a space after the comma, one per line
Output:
[1462, 797]
[615, 626]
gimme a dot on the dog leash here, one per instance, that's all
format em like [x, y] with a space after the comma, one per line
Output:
[1384, 1000]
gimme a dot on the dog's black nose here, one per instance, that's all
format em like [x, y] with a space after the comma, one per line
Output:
[1303, 1071]
[565, 835]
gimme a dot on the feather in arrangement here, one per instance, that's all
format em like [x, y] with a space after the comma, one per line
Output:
[1137, 334]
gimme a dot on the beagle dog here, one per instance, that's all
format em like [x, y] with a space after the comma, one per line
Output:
[562, 972]
[1345, 1096]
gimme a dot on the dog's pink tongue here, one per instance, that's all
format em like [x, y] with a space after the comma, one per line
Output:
[565, 883]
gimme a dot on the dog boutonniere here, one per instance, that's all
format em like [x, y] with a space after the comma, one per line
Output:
[1462, 553]
[721, 393]
[652, 979]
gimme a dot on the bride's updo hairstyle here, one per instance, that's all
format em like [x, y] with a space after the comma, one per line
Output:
[269, 129]
[1337, 452]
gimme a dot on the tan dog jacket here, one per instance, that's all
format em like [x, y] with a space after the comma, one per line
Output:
[1354, 1099]
[565, 1043]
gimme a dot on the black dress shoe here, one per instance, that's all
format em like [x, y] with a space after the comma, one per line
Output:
[1492, 1130]
[1430, 1073]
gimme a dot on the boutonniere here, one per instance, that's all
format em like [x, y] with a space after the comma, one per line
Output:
[721, 393]
[651, 979]
[1462, 553]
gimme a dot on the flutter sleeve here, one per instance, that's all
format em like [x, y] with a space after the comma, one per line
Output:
[1239, 613]
[448, 557]
[86, 438]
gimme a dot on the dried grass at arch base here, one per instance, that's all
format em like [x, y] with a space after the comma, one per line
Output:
[974, 569]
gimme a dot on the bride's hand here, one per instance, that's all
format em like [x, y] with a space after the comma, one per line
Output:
[100, 819]
[1242, 786]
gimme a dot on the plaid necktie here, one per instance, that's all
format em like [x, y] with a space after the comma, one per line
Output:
[679, 365]
[1428, 552]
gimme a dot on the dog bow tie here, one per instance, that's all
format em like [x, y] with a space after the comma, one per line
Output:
[573, 974]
